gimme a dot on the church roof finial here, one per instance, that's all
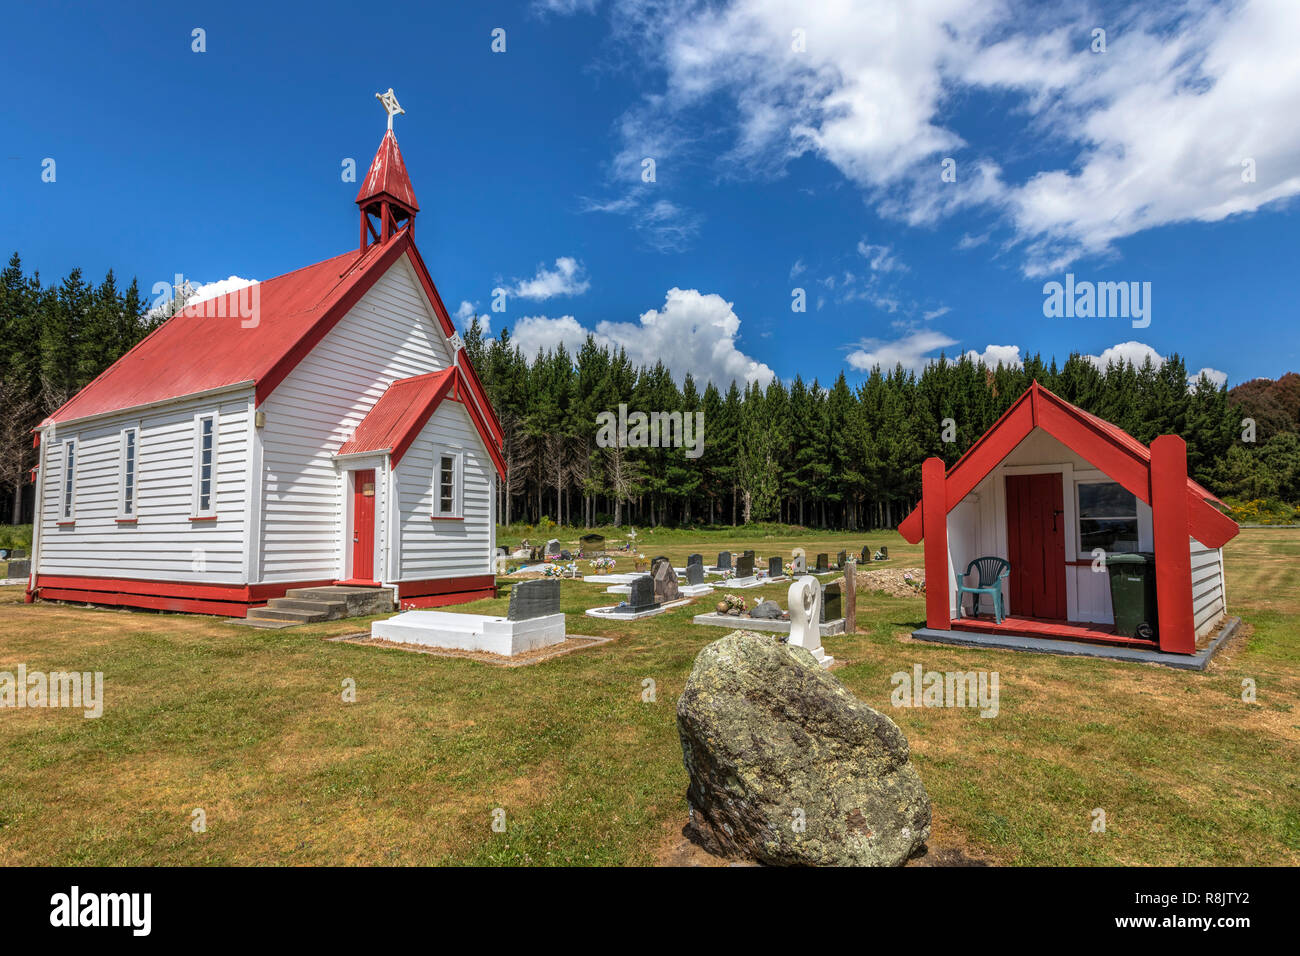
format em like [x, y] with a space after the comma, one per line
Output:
[390, 104]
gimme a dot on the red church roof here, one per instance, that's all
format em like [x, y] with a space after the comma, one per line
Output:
[406, 407]
[217, 344]
[387, 176]
[1117, 453]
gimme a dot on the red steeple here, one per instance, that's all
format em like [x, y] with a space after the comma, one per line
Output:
[386, 194]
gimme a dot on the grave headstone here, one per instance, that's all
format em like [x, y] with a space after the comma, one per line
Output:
[20, 569]
[530, 599]
[750, 554]
[775, 567]
[665, 580]
[695, 559]
[841, 560]
[832, 607]
[884, 553]
[553, 547]
[866, 554]
[745, 566]
[17, 554]
[565, 556]
[641, 595]
[724, 561]
[799, 562]
[822, 566]
[694, 574]
[592, 544]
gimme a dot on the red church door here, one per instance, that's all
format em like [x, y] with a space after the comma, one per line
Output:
[1036, 545]
[363, 525]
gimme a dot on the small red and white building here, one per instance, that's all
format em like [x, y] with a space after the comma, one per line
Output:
[321, 427]
[1045, 487]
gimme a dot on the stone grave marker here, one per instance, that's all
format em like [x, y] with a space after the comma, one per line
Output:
[841, 560]
[745, 566]
[832, 607]
[800, 561]
[694, 573]
[695, 559]
[530, 599]
[724, 561]
[775, 567]
[866, 554]
[641, 596]
[822, 566]
[665, 580]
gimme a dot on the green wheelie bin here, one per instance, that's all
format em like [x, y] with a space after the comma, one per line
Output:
[1133, 594]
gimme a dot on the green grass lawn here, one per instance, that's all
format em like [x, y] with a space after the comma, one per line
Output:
[251, 727]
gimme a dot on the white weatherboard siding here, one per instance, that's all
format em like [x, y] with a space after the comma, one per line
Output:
[1209, 603]
[390, 334]
[443, 549]
[163, 544]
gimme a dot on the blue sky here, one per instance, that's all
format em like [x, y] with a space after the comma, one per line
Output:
[796, 146]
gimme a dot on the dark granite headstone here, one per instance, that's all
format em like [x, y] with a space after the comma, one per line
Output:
[884, 553]
[641, 596]
[17, 554]
[20, 569]
[665, 580]
[775, 567]
[750, 554]
[565, 556]
[841, 560]
[694, 574]
[553, 547]
[831, 606]
[530, 599]
[745, 566]
[724, 561]
[821, 563]
[866, 554]
[592, 543]
[695, 559]
[766, 610]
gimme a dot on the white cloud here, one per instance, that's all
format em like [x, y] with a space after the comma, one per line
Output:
[664, 225]
[880, 258]
[693, 332]
[1153, 131]
[567, 278]
[936, 313]
[913, 351]
[202, 291]
[1137, 353]
[539, 332]
[466, 311]
[995, 355]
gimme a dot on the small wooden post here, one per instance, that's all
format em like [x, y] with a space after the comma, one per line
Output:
[851, 597]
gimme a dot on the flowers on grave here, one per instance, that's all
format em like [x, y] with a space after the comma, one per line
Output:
[916, 584]
[732, 605]
[552, 571]
[728, 573]
[789, 569]
[601, 565]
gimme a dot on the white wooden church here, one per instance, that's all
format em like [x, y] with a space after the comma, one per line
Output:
[321, 428]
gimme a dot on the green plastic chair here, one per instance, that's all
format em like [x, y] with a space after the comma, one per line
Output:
[991, 572]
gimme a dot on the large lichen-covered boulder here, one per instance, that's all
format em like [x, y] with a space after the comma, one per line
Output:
[787, 767]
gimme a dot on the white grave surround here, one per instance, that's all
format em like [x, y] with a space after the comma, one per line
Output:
[753, 581]
[611, 613]
[610, 578]
[471, 632]
[805, 603]
[694, 590]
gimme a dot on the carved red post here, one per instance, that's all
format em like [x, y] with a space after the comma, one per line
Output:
[934, 525]
[1172, 545]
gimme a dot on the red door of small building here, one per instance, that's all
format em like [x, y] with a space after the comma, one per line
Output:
[363, 525]
[1036, 545]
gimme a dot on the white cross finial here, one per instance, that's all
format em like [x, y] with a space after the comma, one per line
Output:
[390, 104]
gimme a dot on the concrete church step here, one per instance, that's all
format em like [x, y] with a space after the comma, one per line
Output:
[313, 605]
